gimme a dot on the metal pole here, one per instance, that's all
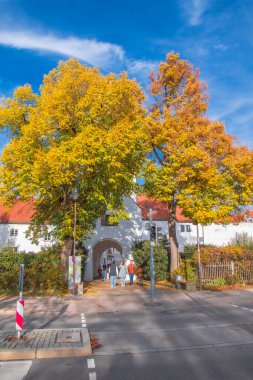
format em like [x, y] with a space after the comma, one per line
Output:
[199, 259]
[74, 252]
[152, 264]
[21, 281]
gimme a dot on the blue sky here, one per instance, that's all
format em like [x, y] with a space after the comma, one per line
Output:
[215, 35]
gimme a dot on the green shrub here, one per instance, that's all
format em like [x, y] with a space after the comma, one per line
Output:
[217, 282]
[43, 273]
[187, 269]
[141, 255]
[189, 251]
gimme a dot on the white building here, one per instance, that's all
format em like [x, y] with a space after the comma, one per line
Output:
[115, 241]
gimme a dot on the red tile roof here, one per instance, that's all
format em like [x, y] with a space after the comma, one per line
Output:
[20, 212]
[160, 209]
[249, 213]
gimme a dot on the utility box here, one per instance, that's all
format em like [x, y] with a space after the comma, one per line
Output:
[189, 286]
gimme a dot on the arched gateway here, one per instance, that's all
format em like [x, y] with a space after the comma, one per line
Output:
[104, 251]
[113, 241]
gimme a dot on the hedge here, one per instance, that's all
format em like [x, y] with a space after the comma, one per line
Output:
[43, 273]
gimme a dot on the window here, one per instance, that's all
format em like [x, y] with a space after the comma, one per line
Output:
[185, 227]
[188, 228]
[15, 249]
[47, 237]
[13, 232]
[146, 225]
[159, 233]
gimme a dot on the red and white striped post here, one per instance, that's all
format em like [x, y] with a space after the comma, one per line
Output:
[20, 303]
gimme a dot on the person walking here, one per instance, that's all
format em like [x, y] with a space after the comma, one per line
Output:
[104, 271]
[140, 274]
[99, 272]
[131, 272]
[122, 273]
[113, 273]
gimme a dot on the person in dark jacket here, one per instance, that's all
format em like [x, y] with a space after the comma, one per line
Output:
[113, 272]
[104, 271]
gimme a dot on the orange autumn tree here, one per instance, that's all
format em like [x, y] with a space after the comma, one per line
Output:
[194, 165]
[84, 130]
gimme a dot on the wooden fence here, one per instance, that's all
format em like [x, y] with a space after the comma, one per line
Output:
[231, 271]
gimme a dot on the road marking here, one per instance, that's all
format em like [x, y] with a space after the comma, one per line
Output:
[14, 370]
[91, 363]
[244, 308]
[93, 375]
[83, 320]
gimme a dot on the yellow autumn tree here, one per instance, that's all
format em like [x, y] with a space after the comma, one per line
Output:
[84, 130]
[194, 165]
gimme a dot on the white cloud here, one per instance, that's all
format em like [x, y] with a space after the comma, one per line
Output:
[93, 52]
[141, 68]
[194, 10]
[102, 54]
[221, 47]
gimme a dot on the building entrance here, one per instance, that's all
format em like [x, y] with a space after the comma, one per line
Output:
[104, 252]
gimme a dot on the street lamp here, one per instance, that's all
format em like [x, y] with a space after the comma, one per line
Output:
[74, 196]
[152, 244]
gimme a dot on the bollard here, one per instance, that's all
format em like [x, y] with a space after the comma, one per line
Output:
[20, 317]
[20, 303]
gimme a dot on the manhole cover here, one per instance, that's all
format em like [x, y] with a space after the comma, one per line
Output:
[68, 337]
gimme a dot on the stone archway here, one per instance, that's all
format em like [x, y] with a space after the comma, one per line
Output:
[104, 251]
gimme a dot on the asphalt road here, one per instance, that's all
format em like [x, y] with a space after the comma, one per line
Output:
[200, 335]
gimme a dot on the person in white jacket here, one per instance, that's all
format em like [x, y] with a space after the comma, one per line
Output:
[122, 273]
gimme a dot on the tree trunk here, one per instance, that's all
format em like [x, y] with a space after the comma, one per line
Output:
[66, 251]
[173, 236]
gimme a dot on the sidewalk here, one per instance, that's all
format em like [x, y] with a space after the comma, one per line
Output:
[101, 304]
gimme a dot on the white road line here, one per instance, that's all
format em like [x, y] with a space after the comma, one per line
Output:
[82, 315]
[91, 363]
[84, 325]
[244, 308]
[83, 319]
[93, 375]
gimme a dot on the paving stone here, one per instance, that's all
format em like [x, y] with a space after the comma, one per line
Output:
[43, 344]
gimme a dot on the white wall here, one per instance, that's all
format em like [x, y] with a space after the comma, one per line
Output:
[20, 241]
[218, 234]
[125, 234]
[215, 234]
